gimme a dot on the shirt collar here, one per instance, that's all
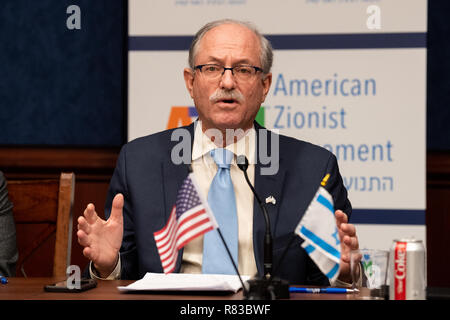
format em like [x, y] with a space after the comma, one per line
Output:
[244, 146]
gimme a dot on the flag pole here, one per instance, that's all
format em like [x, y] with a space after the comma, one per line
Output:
[232, 261]
[323, 183]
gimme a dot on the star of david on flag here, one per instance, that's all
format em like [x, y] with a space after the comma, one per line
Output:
[189, 218]
[319, 231]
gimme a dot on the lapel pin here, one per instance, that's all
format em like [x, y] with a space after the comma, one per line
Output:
[271, 200]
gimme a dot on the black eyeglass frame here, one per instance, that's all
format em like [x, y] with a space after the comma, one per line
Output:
[200, 66]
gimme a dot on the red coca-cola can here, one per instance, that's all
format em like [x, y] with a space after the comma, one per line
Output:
[407, 274]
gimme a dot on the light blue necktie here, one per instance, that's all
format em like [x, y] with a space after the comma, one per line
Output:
[222, 202]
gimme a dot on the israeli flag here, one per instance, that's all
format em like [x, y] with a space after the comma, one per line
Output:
[319, 231]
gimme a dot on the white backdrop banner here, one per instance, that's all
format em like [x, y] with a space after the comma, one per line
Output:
[349, 75]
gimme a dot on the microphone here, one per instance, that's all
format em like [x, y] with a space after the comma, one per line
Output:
[242, 163]
[266, 287]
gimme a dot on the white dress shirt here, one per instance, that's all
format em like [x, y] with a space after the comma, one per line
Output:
[204, 169]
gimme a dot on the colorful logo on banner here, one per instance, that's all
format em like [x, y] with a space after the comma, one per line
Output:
[181, 116]
[184, 115]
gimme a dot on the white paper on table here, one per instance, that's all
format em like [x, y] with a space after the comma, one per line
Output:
[185, 282]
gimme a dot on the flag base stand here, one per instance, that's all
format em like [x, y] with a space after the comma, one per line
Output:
[265, 289]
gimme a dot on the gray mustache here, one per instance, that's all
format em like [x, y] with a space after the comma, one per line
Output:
[227, 95]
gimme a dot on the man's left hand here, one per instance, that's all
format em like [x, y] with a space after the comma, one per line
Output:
[349, 241]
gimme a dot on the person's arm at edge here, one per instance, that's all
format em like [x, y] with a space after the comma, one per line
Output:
[8, 246]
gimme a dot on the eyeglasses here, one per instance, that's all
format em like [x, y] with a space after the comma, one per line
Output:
[214, 71]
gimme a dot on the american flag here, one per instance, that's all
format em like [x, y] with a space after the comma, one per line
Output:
[190, 217]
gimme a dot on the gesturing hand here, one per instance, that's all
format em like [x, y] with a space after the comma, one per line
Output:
[349, 241]
[102, 239]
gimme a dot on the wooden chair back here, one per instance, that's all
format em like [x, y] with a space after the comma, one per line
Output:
[43, 216]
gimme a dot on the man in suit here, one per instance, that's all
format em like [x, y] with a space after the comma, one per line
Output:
[228, 79]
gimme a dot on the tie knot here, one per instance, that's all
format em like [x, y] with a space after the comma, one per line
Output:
[222, 157]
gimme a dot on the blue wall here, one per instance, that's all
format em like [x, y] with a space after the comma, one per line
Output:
[438, 79]
[61, 86]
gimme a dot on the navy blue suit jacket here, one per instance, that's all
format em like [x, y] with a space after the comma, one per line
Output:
[149, 181]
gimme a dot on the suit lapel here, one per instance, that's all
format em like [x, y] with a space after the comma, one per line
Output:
[173, 176]
[265, 186]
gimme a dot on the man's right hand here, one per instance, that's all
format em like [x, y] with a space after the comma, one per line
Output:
[102, 239]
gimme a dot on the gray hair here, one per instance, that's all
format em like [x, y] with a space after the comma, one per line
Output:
[266, 54]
